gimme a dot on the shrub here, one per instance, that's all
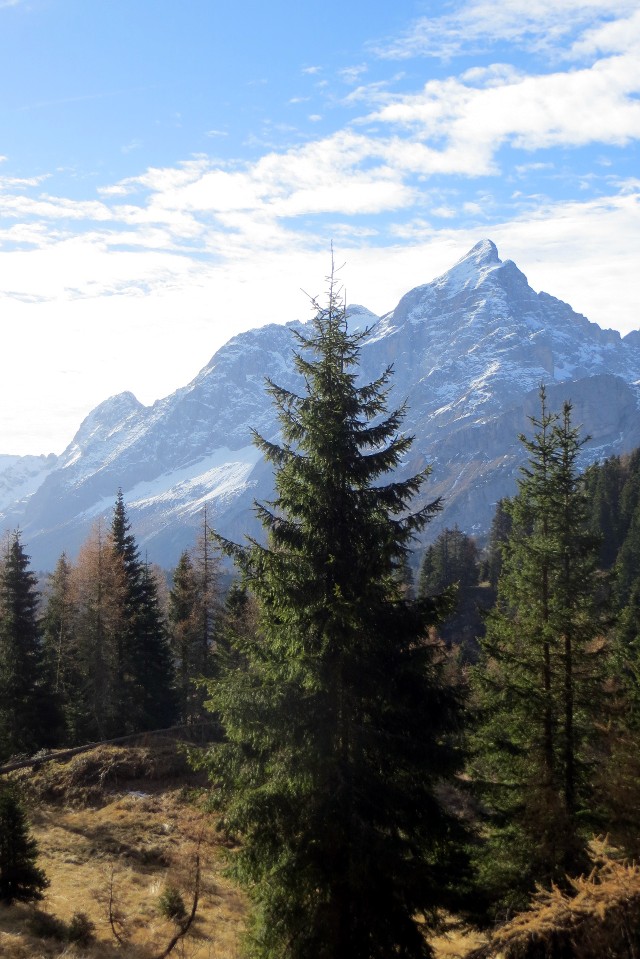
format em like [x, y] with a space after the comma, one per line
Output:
[81, 929]
[171, 904]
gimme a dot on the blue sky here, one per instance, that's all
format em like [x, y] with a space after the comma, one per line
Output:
[173, 173]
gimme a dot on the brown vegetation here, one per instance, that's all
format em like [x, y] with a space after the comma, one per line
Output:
[597, 918]
[120, 825]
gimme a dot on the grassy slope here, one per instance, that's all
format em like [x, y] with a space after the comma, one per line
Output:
[134, 814]
[126, 813]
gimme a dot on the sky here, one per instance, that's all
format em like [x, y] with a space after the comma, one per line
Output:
[173, 173]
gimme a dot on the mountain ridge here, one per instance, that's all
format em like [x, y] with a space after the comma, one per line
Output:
[469, 350]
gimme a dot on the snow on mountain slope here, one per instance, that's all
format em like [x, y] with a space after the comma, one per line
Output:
[20, 476]
[469, 351]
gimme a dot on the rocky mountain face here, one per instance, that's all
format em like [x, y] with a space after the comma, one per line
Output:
[469, 352]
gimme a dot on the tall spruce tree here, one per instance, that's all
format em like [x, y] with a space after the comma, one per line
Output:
[60, 644]
[153, 666]
[538, 683]
[190, 655]
[340, 726]
[26, 705]
[206, 566]
[126, 650]
[144, 673]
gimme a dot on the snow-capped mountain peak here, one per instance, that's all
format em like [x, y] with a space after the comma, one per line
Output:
[469, 351]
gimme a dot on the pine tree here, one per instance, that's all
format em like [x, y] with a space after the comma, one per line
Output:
[206, 566]
[143, 668]
[153, 666]
[498, 536]
[26, 705]
[618, 777]
[59, 637]
[450, 565]
[538, 683]
[185, 631]
[194, 614]
[451, 561]
[338, 720]
[20, 879]
[127, 655]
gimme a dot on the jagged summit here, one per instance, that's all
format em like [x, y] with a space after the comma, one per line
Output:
[484, 253]
[469, 351]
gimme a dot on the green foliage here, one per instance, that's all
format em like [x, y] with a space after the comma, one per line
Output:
[451, 567]
[26, 705]
[20, 879]
[171, 904]
[539, 683]
[451, 561]
[143, 667]
[340, 725]
[194, 615]
[498, 536]
[60, 647]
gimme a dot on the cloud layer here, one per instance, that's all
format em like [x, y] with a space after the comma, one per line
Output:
[155, 271]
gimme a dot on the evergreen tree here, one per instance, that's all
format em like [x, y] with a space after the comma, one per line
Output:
[339, 722]
[451, 567]
[451, 561]
[206, 565]
[59, 634]
[182, 631]
[498, 536]
[20, 879]
[143, 668]
[538, 683]
[618, 780]
[153, 666]
[194, 613]
[127, 657]
[26, 706]
[185, 631]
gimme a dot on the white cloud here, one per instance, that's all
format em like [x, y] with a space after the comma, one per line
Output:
[196, 251]
[352, 74]
[175, 310]
[540, 24]
[443, 212]
[597, 104]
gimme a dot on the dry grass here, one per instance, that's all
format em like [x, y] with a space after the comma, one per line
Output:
[139, 833]
[123, 817]
[457, 942]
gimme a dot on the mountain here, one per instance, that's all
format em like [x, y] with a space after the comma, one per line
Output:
[469, 351]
